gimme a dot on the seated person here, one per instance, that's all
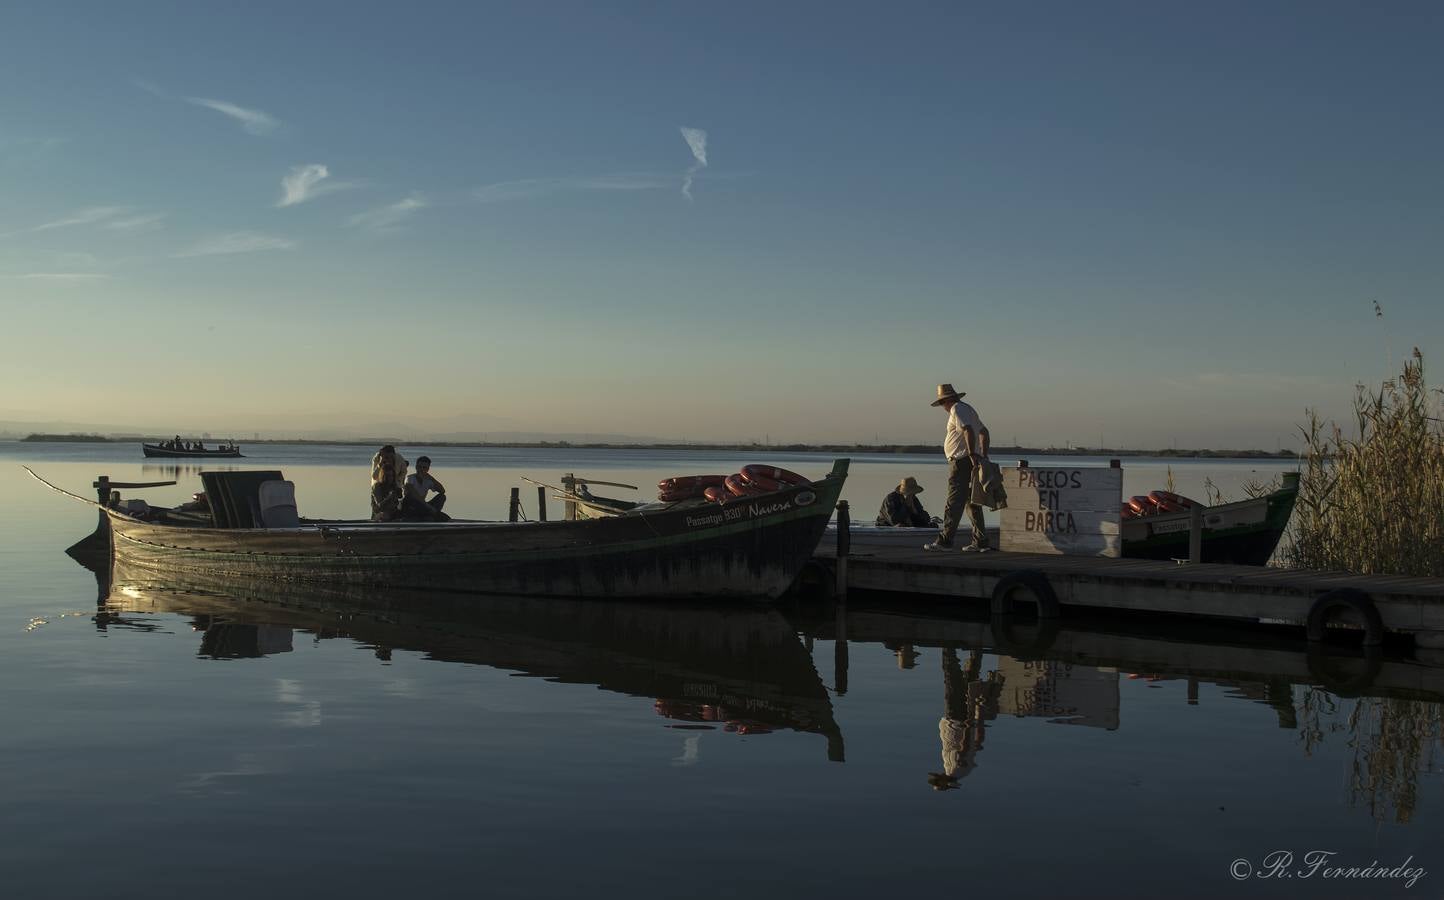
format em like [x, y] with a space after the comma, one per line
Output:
[902, 509]
[414, 505]
[388, 479]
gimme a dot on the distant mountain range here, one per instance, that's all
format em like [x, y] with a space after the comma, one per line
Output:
[14, 429]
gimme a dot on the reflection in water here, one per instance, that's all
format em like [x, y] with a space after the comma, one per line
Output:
[741, 670]
[744, 671]
[1390, 708]
[178, 470]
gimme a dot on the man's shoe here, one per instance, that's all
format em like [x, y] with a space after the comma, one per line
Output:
[936, 546]
[977, 548]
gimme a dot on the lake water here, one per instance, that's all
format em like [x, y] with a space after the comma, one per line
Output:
[163, 742]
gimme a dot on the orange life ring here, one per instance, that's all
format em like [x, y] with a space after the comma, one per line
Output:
[771, 478]
[741, 489]
[1141, 505]
[683, 482]
[717, 494]
[1168, 502]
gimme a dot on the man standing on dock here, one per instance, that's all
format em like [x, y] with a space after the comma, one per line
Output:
[965, 444]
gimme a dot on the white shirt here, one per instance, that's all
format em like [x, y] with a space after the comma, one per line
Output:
[962, 414]
[419, 485]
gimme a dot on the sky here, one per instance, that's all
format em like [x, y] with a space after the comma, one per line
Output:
[1130, 224]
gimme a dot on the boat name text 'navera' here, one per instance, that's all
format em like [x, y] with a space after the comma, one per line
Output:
[751, 510]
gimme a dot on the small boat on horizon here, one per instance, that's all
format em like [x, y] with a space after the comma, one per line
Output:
[158, 450]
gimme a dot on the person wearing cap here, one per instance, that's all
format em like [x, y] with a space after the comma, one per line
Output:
[388, 484]
[965, 444]
[902, 509]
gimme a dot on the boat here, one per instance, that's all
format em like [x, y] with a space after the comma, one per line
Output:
[754, 547]
[156, 450]
[1244, 533]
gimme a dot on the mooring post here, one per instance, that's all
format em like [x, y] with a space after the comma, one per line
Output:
[513, 512]
[1195, 534]
[844, 547]
[541, 503]
[102, 489]
[569, 487]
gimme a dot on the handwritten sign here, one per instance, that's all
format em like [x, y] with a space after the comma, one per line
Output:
[1063, 509]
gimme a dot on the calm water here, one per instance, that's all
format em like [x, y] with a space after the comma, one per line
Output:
[288, 745]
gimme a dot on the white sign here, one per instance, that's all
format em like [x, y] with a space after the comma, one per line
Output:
[1063, 509]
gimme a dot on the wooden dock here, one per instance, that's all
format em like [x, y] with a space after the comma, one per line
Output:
[893, 561]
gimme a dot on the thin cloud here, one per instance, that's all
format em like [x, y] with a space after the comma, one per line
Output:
[149, 222]
[388, 218]
[64, 276]
[696, 140]
[252, 120]
[89, 216]
[304, 183]
[536, 187]
[237, 242]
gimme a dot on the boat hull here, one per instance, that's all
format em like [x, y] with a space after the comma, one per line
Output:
[751, 548]
[152, 451]
[1245, 533]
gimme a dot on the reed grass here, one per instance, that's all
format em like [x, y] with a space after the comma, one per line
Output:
[1374, 503]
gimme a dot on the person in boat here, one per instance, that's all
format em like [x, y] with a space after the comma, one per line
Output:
[176, 444]
[965, 444]
[414, 505]
[903, 509]
[388, 484]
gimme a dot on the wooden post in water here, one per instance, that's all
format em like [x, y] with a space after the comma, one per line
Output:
[541, 503]
[1195, 534]
[514, 508]
[569, 487]
[844, 547]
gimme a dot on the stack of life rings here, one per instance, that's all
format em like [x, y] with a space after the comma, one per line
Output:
[751, 481]
[1156, 503]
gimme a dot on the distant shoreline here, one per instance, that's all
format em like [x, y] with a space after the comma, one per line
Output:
[873, 449]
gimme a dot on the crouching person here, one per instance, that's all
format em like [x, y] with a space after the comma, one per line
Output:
[902, 508]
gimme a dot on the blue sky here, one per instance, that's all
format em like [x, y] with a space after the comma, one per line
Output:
[1145, 223]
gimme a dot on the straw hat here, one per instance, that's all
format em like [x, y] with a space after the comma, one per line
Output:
[909, 485]
[946, 392]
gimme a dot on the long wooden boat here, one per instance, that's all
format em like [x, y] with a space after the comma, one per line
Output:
[156, 450]
[739, 668]
[750, 548]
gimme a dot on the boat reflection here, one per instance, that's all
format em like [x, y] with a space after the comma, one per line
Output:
[177, 470]
[738, 669]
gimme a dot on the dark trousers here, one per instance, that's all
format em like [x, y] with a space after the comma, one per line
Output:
[960, 492]
[430, 511]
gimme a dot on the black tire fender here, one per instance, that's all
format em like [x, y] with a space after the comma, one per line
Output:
[1027, 582]
[1349, 599]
